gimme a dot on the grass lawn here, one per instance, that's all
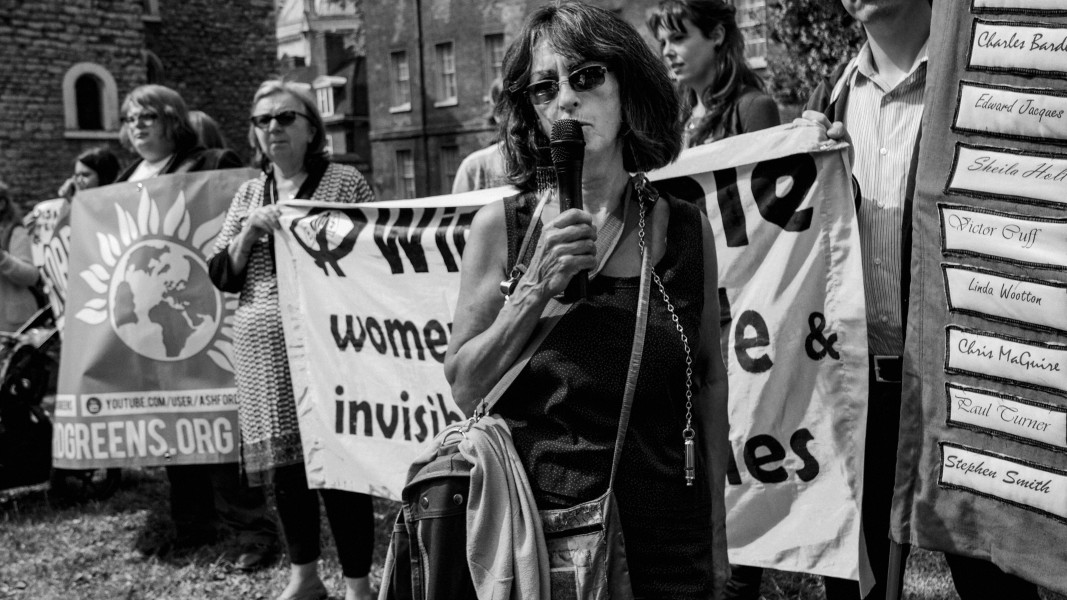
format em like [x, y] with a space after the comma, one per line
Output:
[85, 551]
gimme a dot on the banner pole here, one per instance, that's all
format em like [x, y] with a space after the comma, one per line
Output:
[895, 576]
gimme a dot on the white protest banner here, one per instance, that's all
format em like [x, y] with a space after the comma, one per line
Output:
[49, 225]
[367, 293]
[146, 375]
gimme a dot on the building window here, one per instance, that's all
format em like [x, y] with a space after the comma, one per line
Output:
[449, 166]
[405, 173]
[150, 10]
[325, 98]
[87, 92]
[752, 19]
[446, 75]
[90, 102]
[335, 142]
[153, 67]
[400, 82]
[494, 58]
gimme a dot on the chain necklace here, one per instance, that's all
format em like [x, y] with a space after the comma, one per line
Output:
[644, 190]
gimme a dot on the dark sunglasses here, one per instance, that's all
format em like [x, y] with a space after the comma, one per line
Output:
[284, 118]
[581, 80]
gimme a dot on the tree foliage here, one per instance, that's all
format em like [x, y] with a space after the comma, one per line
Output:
[812, 37]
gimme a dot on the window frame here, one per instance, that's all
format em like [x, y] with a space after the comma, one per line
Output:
[446, 86]
[494, 68]
[405, 173]
[108, 105]
[397, 85]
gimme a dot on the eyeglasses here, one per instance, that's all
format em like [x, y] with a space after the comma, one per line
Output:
[581, 80]
[284, 118]
[145, 118]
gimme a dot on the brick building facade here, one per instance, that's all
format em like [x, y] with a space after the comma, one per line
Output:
[430, 64]
[68, 64]
[321, 44]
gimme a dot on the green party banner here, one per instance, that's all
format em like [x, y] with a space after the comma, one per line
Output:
[146, 374]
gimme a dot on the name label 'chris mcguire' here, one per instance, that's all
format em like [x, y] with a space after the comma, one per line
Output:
[1007, 359]
[1032, 487]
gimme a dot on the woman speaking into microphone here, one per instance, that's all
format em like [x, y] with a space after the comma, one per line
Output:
[581, 63]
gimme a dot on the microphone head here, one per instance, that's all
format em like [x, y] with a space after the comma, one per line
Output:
[568, 141]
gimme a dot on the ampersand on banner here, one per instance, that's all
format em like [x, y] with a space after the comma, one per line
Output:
[816, 323]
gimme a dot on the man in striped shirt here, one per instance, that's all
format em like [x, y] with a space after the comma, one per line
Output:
[878, 98]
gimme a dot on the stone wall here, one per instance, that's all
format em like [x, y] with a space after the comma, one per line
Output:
[39, 42]
[215, 54]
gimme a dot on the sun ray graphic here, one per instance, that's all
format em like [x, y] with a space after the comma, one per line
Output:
[149, 283]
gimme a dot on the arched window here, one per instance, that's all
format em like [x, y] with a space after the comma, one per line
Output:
[90, 102]
[87, 95]
[153, 67]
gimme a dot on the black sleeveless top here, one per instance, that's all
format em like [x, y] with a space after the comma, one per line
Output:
[563, 409]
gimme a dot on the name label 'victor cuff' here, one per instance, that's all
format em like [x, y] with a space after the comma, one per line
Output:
[1026, 240]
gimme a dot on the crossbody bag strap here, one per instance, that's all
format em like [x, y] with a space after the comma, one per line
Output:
[606, 242]
[635, 354]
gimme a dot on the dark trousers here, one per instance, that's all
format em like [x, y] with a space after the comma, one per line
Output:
[879, 466]
[977, 579]
[350, 515]
[205, 496]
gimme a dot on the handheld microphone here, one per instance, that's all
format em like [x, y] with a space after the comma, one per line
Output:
[568, 152]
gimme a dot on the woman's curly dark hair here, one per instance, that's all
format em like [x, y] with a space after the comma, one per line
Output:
[651, 127]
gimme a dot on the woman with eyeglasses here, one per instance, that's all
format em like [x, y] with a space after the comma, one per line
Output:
[705, 49]
[17, 273]
[578, 62]
[288, 134]
[155, 124]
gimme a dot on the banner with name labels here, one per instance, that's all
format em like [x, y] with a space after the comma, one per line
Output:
[146, 369]
[982, 459]
[368, 291]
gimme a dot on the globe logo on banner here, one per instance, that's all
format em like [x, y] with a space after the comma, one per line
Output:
[153, 286]
[163, 305]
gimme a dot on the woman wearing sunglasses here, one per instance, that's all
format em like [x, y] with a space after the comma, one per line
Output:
[704, 48]
[573, 61]
[155, 125]
[290, 140]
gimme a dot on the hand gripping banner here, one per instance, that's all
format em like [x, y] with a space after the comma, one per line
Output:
[146, 371]
[367, 294]
[982, 458]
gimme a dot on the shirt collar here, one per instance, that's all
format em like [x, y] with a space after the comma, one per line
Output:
[863, 65]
